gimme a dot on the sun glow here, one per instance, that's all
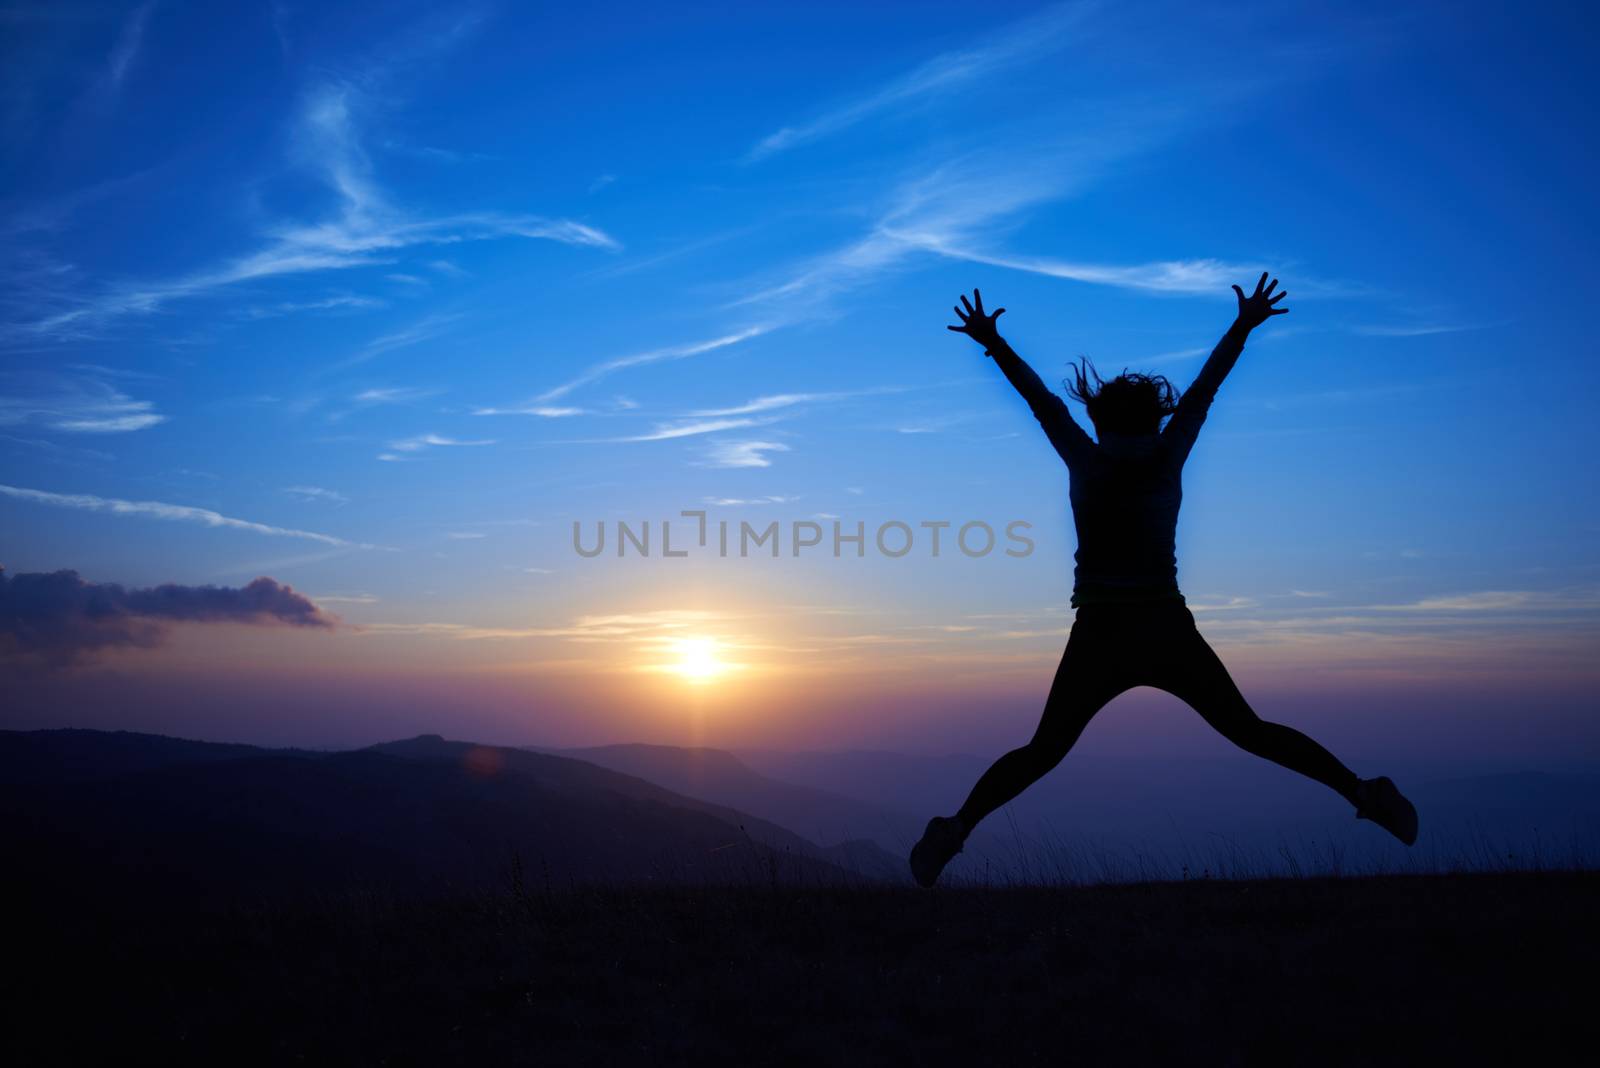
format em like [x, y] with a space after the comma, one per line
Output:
[698, 660]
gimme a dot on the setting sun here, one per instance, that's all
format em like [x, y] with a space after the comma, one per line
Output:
[697, 659]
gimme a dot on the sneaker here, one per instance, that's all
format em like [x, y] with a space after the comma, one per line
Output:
[941, 841]
[1382, 802]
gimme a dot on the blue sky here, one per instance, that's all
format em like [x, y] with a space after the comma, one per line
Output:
[378, 300]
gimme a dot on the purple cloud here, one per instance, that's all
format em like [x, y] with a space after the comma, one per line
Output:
[53, 619]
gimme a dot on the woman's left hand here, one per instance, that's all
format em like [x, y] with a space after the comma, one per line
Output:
[977, 325]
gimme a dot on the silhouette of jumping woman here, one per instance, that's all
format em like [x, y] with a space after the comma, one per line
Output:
[1132, 626]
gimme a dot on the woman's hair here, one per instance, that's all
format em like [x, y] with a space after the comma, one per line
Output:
[1127, 404]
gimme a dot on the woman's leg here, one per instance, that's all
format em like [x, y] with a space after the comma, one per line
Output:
[1087, 679]
[1194, 673]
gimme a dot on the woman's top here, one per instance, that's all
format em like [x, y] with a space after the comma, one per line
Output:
[1126, 489]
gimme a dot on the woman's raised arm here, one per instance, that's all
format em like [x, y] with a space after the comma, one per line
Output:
[1254, 310]
[1070, 442]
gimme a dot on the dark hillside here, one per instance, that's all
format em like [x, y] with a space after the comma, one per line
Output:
[241, 825]
[1471, 969]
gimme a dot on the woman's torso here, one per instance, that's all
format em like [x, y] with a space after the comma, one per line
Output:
[1125, 503]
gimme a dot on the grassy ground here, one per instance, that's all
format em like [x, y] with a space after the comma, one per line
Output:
[1403, 970]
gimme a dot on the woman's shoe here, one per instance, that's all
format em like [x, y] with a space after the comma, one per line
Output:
[1380, 801]
[941, 841]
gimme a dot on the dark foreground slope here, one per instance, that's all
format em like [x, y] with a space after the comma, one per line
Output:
[1407, 970]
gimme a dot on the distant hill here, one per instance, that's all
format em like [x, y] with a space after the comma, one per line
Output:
[112, 812]
[78, 755]
[1223, 789]
[143, 815]
[577, 771]
[716, 775]
[1131, 818]
[911, 782]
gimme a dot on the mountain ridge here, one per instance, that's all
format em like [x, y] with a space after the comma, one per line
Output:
[158, 817]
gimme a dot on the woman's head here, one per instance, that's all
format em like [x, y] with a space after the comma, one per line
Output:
[1127, 404]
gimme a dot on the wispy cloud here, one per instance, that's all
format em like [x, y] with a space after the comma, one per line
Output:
[416, 333]
[777, 401]
[341, 407]
[690, 428]
[935, 424]
[623, 627]
[1177, 356]
[339, 302]
[428, 441]
[392, 395]
[78, 401]
[1418, 329]
[955, 211]
[623, 266]
[638, 359]
[128, 44]
[735, 454]
[366, 229]
[140, 418]
[423, 330]
[1348, 394]
[964, 206]
[52, 212]
[461, 631]
[1163, 276]
[316, 493]
[109, 372]
[280, 27]
[547, 411]
[1483, 601]
[731, 502]
[1468, 616]
[1020, 42]
[1220, 604]
[174, 512]
[435, 153]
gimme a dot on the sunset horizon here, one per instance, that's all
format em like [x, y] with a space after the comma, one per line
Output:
[429, 338]
[831, 533]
